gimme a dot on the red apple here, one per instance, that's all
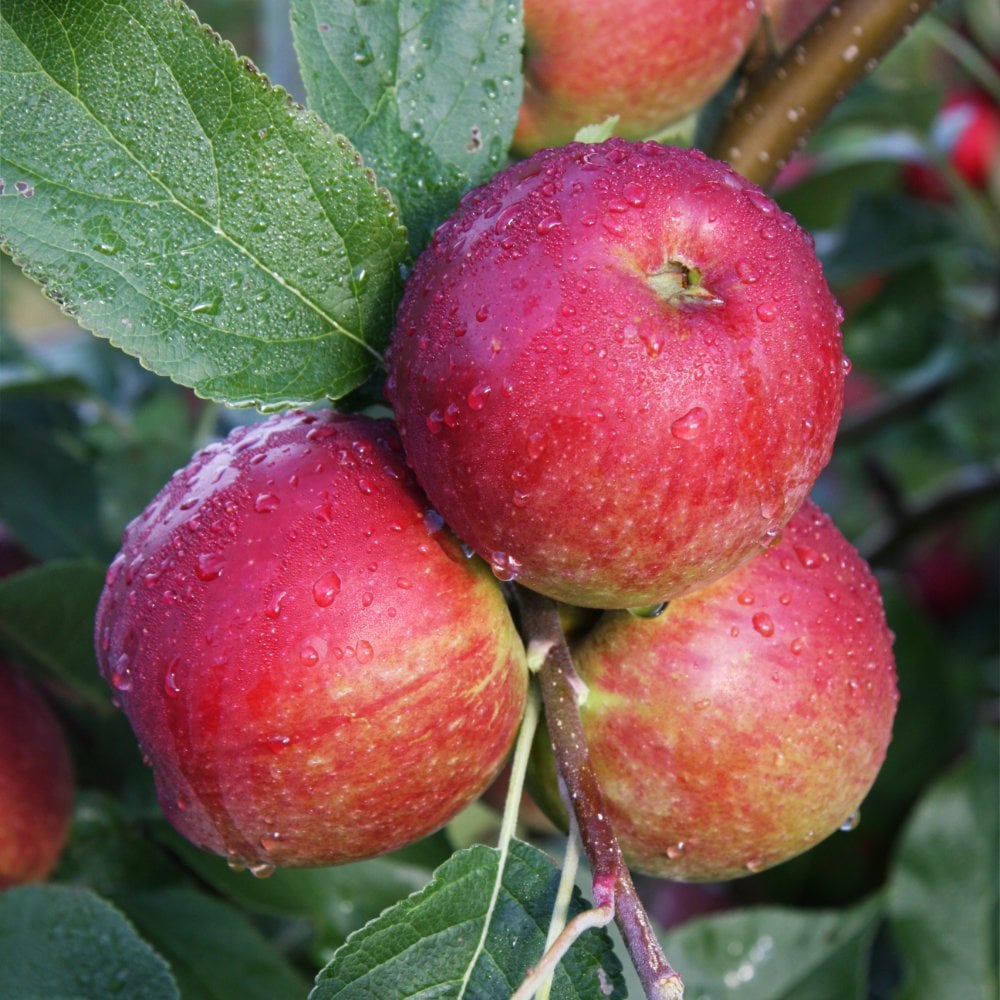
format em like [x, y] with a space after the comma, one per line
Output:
[312, 666]
[651, 62]
[617, 371]
[36, 782]
[748, 721]
[788, 20]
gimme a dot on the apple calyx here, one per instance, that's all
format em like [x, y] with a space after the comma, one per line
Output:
[680, 284]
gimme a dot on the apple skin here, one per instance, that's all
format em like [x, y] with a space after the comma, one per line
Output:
[788, 20]
[651, 63]
[36, 782]
[313, 668]
[748, 721]
[581, 420]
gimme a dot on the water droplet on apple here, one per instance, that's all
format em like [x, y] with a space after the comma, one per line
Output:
[505, 567]
[261, 869]
[746, 271]
[326, 588]
[766, 313]
[171, 685]
[477, 396]
[852, 821]
[519, 499]
[269, 841]
[754, 865]
[690, 426]
[745, 598]
[809, 558]
[797, 645]
[435, 421]
[548, 224]
[702, 704]
[761, 200]
[364, 651]
[674, 851]
[266, 503]
[652, 339]
[634, 194]
[451, 415]
[208, 566]
[121, 673]
[308, 655]
[764, 624]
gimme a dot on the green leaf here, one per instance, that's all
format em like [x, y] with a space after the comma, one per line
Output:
[50, 497]
[57, 941]
[885, 233]
[772, 953]
[943, 891]
[214, 951]
[429, 945]
[177, 204]
[429, 93]
[599, 131]
[47, 618]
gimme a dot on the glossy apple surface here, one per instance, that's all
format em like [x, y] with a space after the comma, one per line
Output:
[617, 371]
[650, 62]
[312, 666]
[749, 720]
[36, 782]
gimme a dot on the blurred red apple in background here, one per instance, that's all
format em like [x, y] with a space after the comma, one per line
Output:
[36, 782]
[651, 62]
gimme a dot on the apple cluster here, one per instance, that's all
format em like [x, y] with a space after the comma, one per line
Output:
[615, 376]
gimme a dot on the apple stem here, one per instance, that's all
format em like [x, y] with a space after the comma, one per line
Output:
[612, 883]
[783, 100]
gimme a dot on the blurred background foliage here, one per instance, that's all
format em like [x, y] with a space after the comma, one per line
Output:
[908, 228]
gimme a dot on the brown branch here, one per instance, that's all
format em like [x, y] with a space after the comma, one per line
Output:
[782, 102]
[969, 488]
[612, 882]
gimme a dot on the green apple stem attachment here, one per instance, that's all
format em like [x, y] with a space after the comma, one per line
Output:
[613, 889]
[781, 103]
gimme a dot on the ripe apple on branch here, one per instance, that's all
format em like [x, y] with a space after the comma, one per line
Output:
[614, 375]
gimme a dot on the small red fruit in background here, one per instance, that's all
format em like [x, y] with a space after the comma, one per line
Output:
[650, 62]
[315, 671]
[36, 782]
[966, 133]
[617, 371]
[748, 721]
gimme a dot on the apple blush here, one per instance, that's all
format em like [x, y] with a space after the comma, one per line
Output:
[310, 663]
[617, 371]
[748, 721]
